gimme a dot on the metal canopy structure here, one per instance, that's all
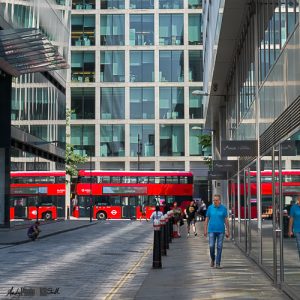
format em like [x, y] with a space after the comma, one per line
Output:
[28, 50]
[32, 144]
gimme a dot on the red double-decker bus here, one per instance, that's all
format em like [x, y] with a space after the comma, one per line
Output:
[122, 195]
[37, 195]
[290, 190]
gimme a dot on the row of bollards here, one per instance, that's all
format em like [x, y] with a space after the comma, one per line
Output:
[163, 234]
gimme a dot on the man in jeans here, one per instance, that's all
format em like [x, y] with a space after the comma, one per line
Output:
[294, 223]
[216, 218]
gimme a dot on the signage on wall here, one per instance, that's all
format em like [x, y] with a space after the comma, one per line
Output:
[212, 175]
[239, 148]
[224, 165]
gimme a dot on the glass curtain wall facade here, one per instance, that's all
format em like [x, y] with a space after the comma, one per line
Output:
[263, 103]
[145, 65]
[38, 100]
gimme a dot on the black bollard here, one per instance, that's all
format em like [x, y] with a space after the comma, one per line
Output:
[156, 246]
[166, 233]
[170, 228]
[163, 246]
[171, 224]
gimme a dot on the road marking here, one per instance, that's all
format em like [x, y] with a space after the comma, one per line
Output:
[125, 277]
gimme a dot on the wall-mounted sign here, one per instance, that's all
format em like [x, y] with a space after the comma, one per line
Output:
[239, 148]
[224, 165]
[217, 175]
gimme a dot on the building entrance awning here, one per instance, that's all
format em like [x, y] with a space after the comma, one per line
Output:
[28, 50]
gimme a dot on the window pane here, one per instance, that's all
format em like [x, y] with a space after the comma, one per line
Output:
[141, 30]
[112, 103]
[83, 66]
[112, 66]
[195, 4]
[112, 4]
[83, 139]
[195, 65]
[172, 140]
[171, 103]
[141, 66]
[112, 140]
[82, 103]
[195, 104]
[171, 29]
[173, 4]
[171, 66]
[195, 29]
[112, 30]
[142, 103]
[142, 140]
[142, 4]
[83, 30]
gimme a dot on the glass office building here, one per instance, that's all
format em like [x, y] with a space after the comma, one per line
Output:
[134, 67]
[257, 87]
[38, 98]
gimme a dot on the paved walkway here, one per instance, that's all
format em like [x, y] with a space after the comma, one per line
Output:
[186, 274]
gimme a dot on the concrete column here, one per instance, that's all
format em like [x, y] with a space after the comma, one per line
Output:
[5, 144]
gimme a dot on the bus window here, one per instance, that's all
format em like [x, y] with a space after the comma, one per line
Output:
[170, 200]
[142, 179]
[60, 179]
[171, 179]
[45, 201]
[102, 201]
[115, 200]
[116, 179]
[103, 179]
[129, 179]
[157, 179]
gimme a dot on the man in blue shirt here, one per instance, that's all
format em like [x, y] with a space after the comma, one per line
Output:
[294, 223]
[216, 219]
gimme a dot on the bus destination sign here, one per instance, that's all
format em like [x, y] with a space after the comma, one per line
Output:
[124, 190]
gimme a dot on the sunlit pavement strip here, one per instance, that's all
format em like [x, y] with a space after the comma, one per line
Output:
[87, 268]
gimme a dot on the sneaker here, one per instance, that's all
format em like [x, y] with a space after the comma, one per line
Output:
[218, 267]
[212, 263]
[195, 233]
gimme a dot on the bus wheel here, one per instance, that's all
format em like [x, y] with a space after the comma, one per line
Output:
[101, 215]
[47, 216]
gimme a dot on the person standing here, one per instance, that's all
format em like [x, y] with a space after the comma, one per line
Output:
[190, 212]
[294, 223]
[202, 210]
[156, 215]
[216, 218]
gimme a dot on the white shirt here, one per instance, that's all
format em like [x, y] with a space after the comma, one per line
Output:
[156, 215]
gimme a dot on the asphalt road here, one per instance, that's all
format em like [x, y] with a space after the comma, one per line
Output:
[88, 263]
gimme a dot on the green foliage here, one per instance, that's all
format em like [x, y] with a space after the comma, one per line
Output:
[72, 158]
[205, 142]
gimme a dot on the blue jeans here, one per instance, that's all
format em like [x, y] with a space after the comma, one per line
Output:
[297, 235]
[213, 237]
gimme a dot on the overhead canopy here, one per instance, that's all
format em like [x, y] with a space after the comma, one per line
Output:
[27, 51]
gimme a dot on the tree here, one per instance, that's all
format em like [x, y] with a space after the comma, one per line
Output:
[72, 158]
[206, 143]
[72, 161]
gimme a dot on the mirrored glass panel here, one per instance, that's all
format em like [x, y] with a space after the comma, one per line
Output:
[172, 140]
[171, 103]
[112, 103]
[112, 30]
[82, 103]
[171, 66]
[112, 140]
[141, 30]
[142, 140]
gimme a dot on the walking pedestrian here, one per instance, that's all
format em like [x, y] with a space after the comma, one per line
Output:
[177, 217]
[190, 213]
[294, 223]
[202, 210]
[216, 218]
